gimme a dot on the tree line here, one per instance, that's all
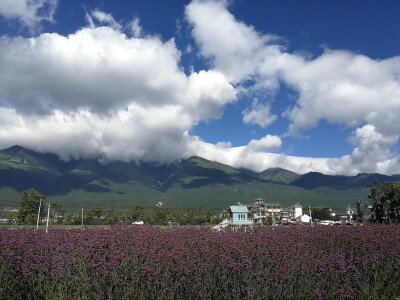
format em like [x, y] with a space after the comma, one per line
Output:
[384, 206]
[32, 204]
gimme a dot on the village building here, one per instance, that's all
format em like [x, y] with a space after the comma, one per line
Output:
[305, 219]
[291, 213]
[239, 215]
[261, 210]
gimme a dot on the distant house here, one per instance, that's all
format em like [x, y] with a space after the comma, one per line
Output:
[261, 210]
[292, 212]
[239, 215]
[305, 218]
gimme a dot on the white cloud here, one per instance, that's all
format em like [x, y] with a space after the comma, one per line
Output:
[345, 88]
[99, 69]
[338, 86]
[259, 114]
[266, 144]
[107, 19]
[102, 70]
[135, 134]
[233, 47]
[254, 158]
[371, 153]
[29, 12]
[135, 28]
[98, 93]
[101, 93]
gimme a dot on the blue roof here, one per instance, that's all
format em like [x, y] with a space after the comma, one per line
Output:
[239, 209]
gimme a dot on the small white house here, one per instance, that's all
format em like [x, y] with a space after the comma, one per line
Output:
[305, 218]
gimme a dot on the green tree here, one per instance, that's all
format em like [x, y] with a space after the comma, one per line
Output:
[137, 213]
[28, 206]
[376, 197]
[71, 218]
[163, 215]
[321, 213]
[391, 204]
[93, 216]
[385, 202]
[360, 210]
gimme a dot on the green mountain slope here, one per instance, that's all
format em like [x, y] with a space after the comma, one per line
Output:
[279, 175]
[192, 182]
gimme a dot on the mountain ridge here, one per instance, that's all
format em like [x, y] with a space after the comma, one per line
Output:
[191, 182]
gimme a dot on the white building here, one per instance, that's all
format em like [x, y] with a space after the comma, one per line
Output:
[305, 218]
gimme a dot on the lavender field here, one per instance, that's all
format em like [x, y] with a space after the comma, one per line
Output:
[126, 262]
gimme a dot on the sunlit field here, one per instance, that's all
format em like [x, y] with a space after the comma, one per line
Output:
[145, 262]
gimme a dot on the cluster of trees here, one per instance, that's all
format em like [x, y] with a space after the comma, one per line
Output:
[385, 202]
[31, 201]
[322, 213]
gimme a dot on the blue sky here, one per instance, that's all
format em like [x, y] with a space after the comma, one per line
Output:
[301, 85]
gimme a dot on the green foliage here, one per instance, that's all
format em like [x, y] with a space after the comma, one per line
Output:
[96, 216]
[279, 175]
[321, 213]
[162, 215]
[137, 213]
[28, 206]
[360, 210]
[385, 201]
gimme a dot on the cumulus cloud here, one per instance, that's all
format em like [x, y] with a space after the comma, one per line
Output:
[101, 94]
[29, 12]
[338, 86]
[267, 143]
[138, 133]
[371, 153]
[259, 114]
[345, 88]
[232, 46]
[253, 157]
[101, 69]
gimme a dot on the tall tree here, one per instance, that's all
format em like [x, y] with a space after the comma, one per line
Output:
[28, 206]
[385, 202]
[360, 210]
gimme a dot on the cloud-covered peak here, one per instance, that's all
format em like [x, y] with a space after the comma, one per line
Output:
[99, 93]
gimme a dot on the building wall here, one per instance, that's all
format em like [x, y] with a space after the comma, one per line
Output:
[239, 216]
[298, 212]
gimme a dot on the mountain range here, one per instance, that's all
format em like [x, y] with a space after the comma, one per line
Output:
[187, 183]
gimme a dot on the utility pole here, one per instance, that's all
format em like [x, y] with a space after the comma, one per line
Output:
[38, 214]
[48, 217]
[82, 216]
[309, 209]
